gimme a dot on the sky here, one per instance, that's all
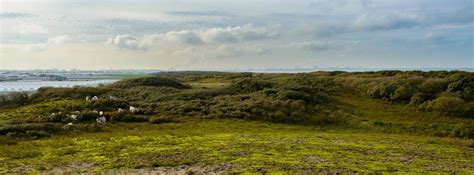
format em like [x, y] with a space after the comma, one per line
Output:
[237, 34]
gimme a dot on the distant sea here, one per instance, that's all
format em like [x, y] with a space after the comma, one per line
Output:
[12, 86]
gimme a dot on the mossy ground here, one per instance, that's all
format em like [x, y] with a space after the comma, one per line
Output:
[247, 146]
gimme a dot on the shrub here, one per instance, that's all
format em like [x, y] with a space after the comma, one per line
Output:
[417, 99]
[332, 118]
[297, 95]
[109, 105]
[163, 119]
[270, 91]
[463, 87]
[448, 105]
[14, 99]
[129, 118]
[29, 127]
[402, 94]
[432, 87]
[381, 91]
[48, 93]
[248, 85]
[150, 81]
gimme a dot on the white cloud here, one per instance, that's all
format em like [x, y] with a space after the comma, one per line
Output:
[197, 37]
[183, 36]
[124, 41]
[236, 34]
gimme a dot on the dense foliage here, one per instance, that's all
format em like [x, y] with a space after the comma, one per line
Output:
[318, 98]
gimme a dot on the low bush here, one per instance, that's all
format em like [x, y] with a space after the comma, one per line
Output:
[449, 105]
[48, 93]
[30, 127]
[14, 99]
[150, 81]
[164, 119]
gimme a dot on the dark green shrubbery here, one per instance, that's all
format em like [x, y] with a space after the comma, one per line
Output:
[109, 105]
[49, 93]
[447, 93]
[164, 119]
[150, 81]
[248, 85]
[14, 99]
[23, 128]
[449, 105]
[463, 87]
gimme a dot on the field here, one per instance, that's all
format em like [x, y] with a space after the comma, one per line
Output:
[205, 122]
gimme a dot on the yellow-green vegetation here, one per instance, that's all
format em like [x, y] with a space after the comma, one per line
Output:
[246, 146]
[387, 121]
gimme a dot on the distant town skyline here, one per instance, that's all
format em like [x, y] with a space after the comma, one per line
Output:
[236, 35]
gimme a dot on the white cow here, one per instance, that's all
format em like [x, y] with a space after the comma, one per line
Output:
[101, 113]
[134, 109]
[52, 114]
[88, 98]
[112, 98]
[95, 98]
[101, 120]
[75, 117]
[120, 110]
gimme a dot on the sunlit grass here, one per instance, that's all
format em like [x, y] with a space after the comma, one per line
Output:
[248, 146]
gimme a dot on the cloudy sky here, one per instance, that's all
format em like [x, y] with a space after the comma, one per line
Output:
[237, 34]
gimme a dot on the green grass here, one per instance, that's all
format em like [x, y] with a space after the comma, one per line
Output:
[246, 146]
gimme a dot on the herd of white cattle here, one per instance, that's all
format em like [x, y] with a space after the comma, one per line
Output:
[101, 119]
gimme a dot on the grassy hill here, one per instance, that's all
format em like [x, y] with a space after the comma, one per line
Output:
[386, 121]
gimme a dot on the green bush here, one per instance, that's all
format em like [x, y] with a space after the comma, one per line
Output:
[248, 86]
[381, 91]
[449, 105]
[30, 127]
[463, 87]
[129, 118]
[164, 119]
[14, 99]
[109, 105]
[432, 87]
[150, 81]
[402, 94]
[48, 93]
